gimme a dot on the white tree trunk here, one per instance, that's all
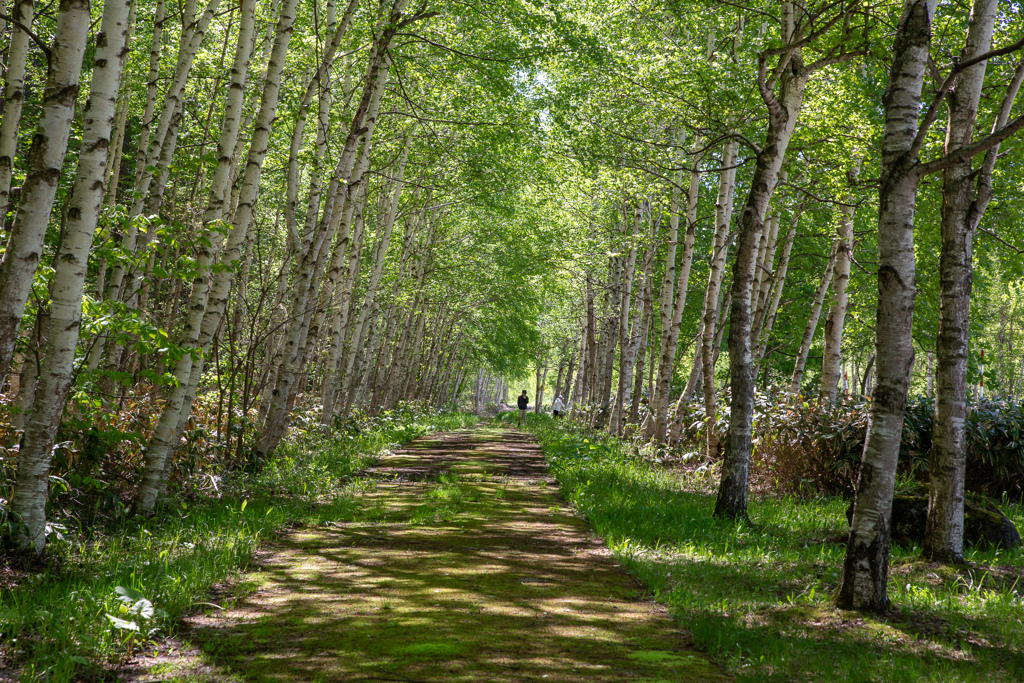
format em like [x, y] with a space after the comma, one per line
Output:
[836, 320]
[782, 118]
[14, 100]
[866, 568]
[624, 369]
[29, 498]
[187, 368]
[161, 139]
[961, 213]
[777, 285]
[670, 325]
[45, 161]
[812, 323]
[723, 218]
[761, 299]
[357, 353]
[339, 328]
[248, 192]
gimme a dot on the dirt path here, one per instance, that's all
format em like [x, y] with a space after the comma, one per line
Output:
[464, 565]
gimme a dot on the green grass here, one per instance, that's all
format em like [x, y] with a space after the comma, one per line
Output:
[759, 598]
[57, 620]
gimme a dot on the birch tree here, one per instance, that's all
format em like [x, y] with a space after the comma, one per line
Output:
[791, 75]
[672, 305]
[162, 440]
[45, 161]
[29, 498]
[966, 192]
[812, 324]
[835, 322]
[723, 239]
[865, 569]
[23, 13]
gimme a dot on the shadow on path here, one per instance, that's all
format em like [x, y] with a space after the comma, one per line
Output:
[462, 566]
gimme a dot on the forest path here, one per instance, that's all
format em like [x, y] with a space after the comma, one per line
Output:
[462, 565]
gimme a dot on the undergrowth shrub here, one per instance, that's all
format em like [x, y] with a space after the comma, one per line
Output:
[804, 449]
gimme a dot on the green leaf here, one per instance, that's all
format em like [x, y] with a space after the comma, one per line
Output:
[121, 624]
[128, 595]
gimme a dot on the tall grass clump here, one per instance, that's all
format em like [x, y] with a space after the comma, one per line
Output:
[758, 596]
[105, 590]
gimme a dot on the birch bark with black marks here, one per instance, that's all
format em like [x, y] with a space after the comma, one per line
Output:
[355, 359]
[248, 193]
[778, 286]
[191, 41]
[672, 305]
[70, 269]
[723, 218]
[45, 160]
[866, 567]
[165, 435]
[639, 351]
[811, 327]
[836, 320]
[761, 299]
[624, 366]
[14, 101]
[343, 305]
[783, 111]
[965, 196]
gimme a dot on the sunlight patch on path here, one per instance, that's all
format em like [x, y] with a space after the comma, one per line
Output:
[462, 565]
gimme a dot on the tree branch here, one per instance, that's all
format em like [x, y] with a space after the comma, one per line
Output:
[947, 85]
[969, 151]
[810, 37]
[35, 38]
[451, 49]
[833, 59]
[766, 92]
[419, 16]
[996, 237]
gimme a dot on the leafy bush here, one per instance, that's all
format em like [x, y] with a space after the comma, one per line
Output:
[995, 448]
[804, 449]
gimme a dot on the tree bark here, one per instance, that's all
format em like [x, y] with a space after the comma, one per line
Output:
[71, 266]
[45, 161]
[723, 219]
[782, 118]
[812, 324]
[161, 138]
[624, 307]
[187, 368]
[836, 320]
[778, 283]
[866, 567]
[641, 343]
[670, 324]
[961, 213]
[14, 100]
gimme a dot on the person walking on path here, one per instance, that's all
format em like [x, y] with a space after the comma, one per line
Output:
[523, 403]
[557, 407]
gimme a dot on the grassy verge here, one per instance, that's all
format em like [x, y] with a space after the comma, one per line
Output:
[760, 598]
[101, 596]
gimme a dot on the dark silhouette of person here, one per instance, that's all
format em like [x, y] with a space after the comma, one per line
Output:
[523, 403]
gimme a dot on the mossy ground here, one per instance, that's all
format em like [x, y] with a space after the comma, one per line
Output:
[460, 564]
